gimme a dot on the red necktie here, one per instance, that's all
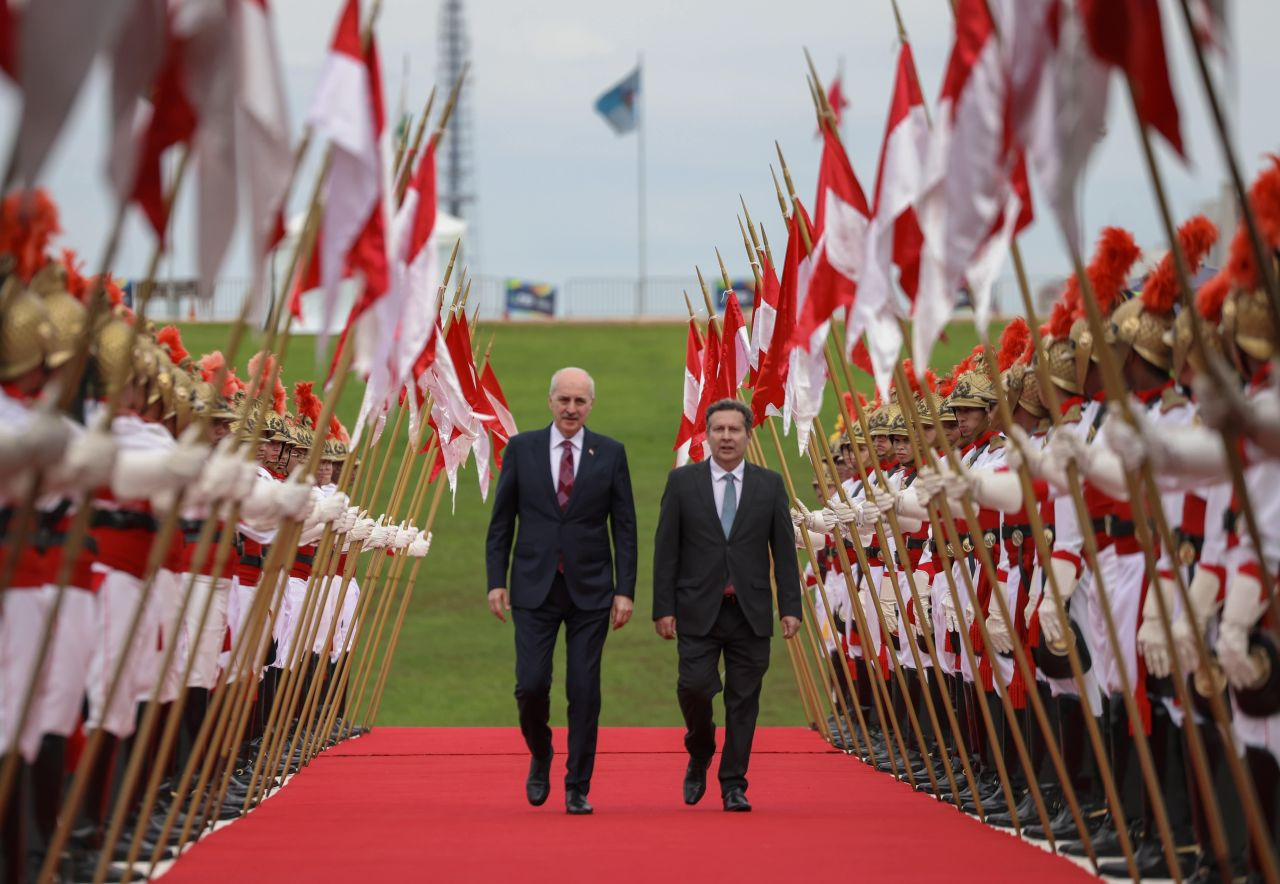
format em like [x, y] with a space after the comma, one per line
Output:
[565, 487]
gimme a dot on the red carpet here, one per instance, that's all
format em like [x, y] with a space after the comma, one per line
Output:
[447, 804]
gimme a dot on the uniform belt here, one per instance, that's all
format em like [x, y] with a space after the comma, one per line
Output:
[304, 559]
[46, 533]
[1116, 529]
[191, 529]
[873, 552]
[966, 546]
[916, 542]
[123, 520]
[1015, 534]
[254, 561]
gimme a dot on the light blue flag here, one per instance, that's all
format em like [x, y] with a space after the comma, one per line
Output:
[618, 105]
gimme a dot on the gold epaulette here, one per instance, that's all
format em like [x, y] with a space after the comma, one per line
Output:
[1072, 415]
[997, 442]
[1171, 399]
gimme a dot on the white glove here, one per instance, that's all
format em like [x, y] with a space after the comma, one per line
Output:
[1220, 400]
[865, 515]
[1203, 595]
[1151, 642]
[221, 478]
[1052, 628]
[956, 485]
[1128, 442]
[997, 629]
[403, 537]
[949, 613]
[187, 459]
[42, 442]
[421, 545]
[928, 484]
[90, 461]
[1024, 452]
[888, 613]
[345, 522]
[840, 512]
[883, 500]
[1064, 450]
[379, 537]
[816, 540]
[921, 603]
[293, 498]
[361, 530]
[1243, 606]
[820, 521]
[330, 507]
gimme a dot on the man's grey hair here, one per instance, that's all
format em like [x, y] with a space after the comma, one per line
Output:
[730, 405]
[555, 379]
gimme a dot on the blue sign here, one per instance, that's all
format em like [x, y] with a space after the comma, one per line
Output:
[530, 298]
[745, 289]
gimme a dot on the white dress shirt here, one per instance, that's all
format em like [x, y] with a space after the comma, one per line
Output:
[717, 483]
[557, 453]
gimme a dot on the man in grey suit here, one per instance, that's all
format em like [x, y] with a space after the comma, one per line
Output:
[719, 521]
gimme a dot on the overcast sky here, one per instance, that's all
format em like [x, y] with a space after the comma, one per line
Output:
[722, 80]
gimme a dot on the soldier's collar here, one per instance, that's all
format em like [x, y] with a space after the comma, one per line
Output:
[11, 390]
[1146, 397]
[1261, 376]
[1070, 402]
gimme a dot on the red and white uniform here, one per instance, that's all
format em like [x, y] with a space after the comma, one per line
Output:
[124, 531]
[26, 609]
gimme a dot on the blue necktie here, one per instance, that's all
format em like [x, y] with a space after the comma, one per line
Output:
[730, 507]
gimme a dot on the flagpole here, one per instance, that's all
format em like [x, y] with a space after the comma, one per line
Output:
[640, 188]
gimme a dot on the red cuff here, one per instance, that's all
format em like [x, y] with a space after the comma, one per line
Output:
[1069, 557]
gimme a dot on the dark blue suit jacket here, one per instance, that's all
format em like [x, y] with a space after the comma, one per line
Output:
[525, 507]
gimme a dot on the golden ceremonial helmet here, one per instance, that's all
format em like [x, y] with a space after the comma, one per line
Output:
[26, 333]
[1247, 321]
[66, 312]
[113, 362]
[277, 428]
[973, 390]
[878, 420]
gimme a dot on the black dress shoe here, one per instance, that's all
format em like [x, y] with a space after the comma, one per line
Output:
[576, 803]
[538, 786]
[1105, 840]
[735, 801]
[1149, 857]
[695, 780]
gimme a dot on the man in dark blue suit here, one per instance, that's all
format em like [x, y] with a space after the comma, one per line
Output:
[561, 484]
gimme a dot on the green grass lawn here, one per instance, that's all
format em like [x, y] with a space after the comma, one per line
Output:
[455, 663]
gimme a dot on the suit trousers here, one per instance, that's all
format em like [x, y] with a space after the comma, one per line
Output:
[536, 633]
[746, 659]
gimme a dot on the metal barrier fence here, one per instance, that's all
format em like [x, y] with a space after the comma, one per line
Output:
[605, 298]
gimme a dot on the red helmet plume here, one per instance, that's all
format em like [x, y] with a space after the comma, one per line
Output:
[306, 401]
[28, 221]
[1015, 340]
[1160, 291]
[172, 338]
[1212, 295]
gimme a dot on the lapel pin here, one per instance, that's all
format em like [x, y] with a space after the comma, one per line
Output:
[591, 451]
